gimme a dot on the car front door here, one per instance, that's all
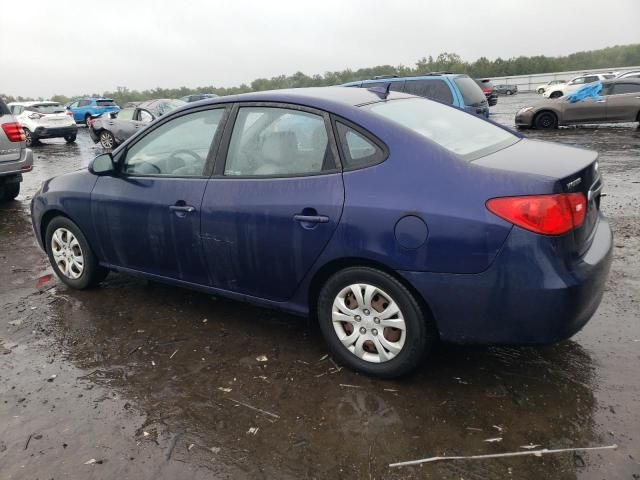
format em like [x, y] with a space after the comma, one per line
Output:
[147, 215]
[273, 205]
[623, 105]
[584, 111]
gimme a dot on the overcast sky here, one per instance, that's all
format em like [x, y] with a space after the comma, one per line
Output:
[75, 47]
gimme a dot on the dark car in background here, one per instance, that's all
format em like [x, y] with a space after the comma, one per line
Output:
[506, 89]
[393, 220]
[111, 129]
[84, 109]
[619, 102]
[196, 97]
[457, 90]
[489, 91]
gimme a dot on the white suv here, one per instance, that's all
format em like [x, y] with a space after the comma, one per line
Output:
[556, 91]
[44, 120]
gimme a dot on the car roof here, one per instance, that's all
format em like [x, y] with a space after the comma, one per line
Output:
[318, 97]
[621, 80]
[31, 103]
[426, 76]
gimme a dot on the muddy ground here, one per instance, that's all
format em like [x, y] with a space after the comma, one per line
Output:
[138, 380]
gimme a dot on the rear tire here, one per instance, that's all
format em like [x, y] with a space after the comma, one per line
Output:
[9, 191]
[555, 95]
[30, 138]
[107, 140]
[365, 341]
[70, 138]
[545, 121]
[509, 92]
[87, 119]
[70, 255]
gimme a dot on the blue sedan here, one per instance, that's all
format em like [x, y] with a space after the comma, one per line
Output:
[393, 220]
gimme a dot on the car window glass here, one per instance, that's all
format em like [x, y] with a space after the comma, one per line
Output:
[74, 105]
[577, 81]
[472, 95]
[144, 116]
[606, 90]
[125, 114]
[177, 148]
[358, 151]
[270, 141]
[435, 89]
[84, 103]
[590, 79]
[621, 88]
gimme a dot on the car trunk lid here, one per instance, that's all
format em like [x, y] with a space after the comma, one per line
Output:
[569, 169]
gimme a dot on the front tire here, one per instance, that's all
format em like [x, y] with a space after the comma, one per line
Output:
[509, 92]
[107, 140]
[373, 324]
[70, 255]
[546, 121]
[70, 138]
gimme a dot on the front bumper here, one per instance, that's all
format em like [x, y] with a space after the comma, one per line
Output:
[524, 119]
[55, 132]
[528, 296]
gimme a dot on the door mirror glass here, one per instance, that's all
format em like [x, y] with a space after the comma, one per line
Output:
[102, 165]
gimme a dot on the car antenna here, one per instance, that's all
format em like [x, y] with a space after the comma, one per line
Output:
[381, 90]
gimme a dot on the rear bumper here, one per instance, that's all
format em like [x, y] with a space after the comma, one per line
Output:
[49, 132]
[528, 296]
[12, 171]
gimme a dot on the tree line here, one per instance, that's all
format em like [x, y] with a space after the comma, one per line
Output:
[619, 56]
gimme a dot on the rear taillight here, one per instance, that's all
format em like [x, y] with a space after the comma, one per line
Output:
[545, 214]
[487, 90]
[69, 113]
[14, 132]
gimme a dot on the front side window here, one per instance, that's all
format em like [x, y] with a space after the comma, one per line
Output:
[271, 141]
[178, 148]
[591, 79]
[125, 114]
[144, 116]
[84, 103]
[433, 89]
[467, 136]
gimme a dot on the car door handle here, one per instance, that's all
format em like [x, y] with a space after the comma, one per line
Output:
[182, 208]
[311, 218]
[601, 101]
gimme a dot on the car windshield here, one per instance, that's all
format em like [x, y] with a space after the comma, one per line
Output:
[466, 135]
[47, 108]
[471, 93]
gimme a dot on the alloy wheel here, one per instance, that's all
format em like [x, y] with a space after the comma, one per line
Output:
[67, 253]
[106, 140]
[369, 323]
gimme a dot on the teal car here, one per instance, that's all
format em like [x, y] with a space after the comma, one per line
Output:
[84, 109]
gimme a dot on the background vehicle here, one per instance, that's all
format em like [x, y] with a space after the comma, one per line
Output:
[629, 74]
[620, 102]
[279, 210]
[84, 109]
[506, 89]
[558, 90]
[453, 89]
[489, 91]
[111, 129]
[15, 158]
[44, 120]
[197, 97]
[542, 88]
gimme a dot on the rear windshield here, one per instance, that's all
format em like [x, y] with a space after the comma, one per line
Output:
[105, 103]
[466, 135]
[46, 108]
[4, 110]
[471, 92]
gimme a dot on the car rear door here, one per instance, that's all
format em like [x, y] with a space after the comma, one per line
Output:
[147, 216]
[623, 105]
[274, 201]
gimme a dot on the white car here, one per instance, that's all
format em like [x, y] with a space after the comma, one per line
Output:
[543, 88]
[557, 91]
[629, 74]
[44, 120]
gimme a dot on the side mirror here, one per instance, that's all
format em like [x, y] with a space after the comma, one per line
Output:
[102, 165]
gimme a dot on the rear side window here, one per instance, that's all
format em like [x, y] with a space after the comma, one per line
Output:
[434, 89]
[358, 151]
[467, 136]
[273, 141]
[84, 103]
[592, 78]
[105, 103]
[471, 93]
[620, 88]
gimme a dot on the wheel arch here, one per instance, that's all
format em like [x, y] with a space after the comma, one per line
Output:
[334, 266]
[541, 112]
[47, 217]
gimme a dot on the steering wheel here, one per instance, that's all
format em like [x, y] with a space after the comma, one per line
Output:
[137, 166]
[191, 153]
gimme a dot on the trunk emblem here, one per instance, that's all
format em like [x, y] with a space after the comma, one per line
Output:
[574, 183]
